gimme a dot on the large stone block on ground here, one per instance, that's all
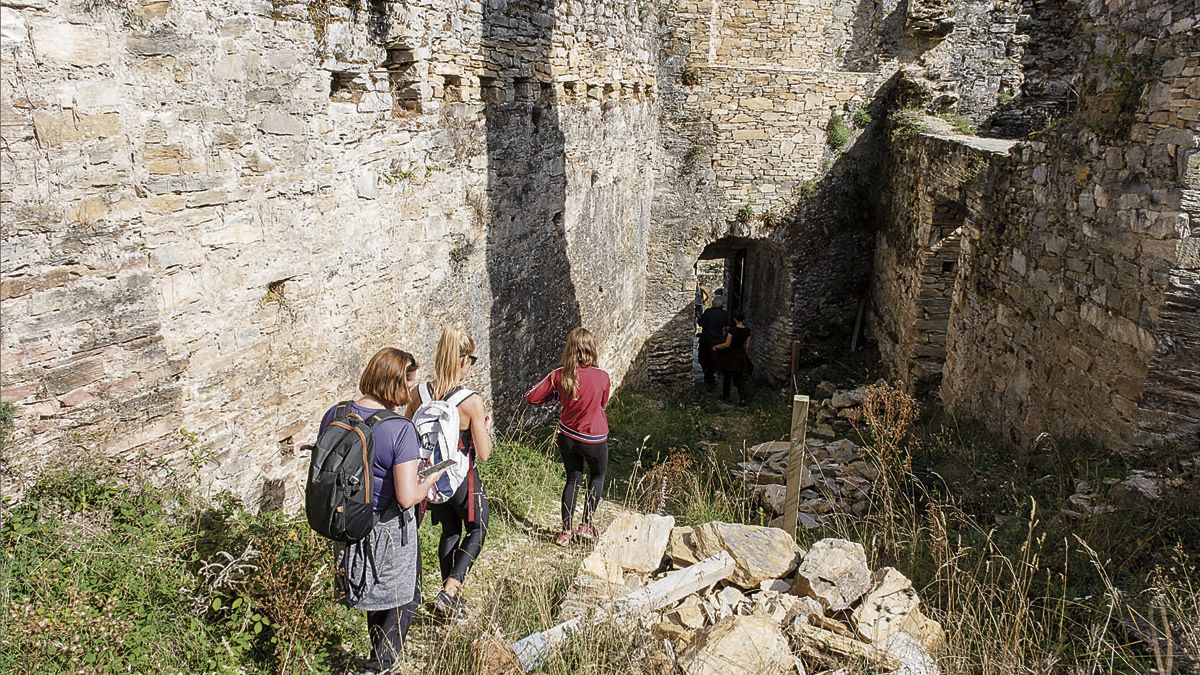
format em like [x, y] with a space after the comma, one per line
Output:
[739, 645]
[633, 542]
[760, 553]
[885, 607]
[834, 572]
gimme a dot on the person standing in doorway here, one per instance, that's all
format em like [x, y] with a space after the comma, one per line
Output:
[733, 358]
[713, 324]
[583, 390]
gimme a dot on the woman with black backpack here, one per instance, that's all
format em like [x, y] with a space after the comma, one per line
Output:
[464, 514]
[381, 573]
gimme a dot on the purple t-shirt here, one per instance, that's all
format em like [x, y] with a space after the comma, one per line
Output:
[395, 442]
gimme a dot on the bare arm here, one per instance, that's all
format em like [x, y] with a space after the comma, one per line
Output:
[411, 491]
[478, 423]
[728, 341]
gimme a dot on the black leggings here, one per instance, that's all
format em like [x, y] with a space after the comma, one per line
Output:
[574, 454]
[458, 551]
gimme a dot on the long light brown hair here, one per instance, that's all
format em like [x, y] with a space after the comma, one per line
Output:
[579, 352]
[385, 378]
[452, 346]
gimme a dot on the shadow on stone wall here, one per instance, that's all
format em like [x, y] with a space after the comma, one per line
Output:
[534, 303]
[830, 235]
[873, 38]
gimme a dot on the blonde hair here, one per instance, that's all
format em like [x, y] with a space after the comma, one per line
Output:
[578, 352]
[452, 346]
[385, 377]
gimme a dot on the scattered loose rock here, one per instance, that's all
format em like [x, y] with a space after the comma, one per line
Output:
[885, 607]
[739, 645]
[634, 542]
[834, 572]
[761, 553]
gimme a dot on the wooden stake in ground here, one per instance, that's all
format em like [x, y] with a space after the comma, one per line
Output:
[795, 466]
[532, 650]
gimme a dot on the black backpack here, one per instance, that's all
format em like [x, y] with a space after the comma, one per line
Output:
[337, 498]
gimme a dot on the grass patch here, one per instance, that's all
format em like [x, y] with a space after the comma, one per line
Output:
[906, 123]
[961, 124]
[837, 132]
[113, 573]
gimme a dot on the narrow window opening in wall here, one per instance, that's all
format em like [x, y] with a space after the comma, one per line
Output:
[452, 89]
[525, 89]
[346, 87]
[571, 89]
[403, 80]
[547, 93]
[491, 89]
[947, 266]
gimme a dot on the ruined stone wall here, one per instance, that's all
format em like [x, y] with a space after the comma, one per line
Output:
[748, 91]
[1074, 306]
[213, 213]
[918, 247]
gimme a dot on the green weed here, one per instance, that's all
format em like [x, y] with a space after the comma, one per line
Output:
[837, 133]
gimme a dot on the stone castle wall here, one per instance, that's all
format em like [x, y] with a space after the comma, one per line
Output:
[748, 91]
[213, 213]
[1073, 309]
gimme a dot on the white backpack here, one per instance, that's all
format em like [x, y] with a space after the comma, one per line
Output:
[437, 429]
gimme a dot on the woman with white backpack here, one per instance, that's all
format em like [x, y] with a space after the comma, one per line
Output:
[457, 501]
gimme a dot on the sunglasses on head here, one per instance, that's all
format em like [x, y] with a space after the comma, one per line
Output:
[412, 366]
[472, 359]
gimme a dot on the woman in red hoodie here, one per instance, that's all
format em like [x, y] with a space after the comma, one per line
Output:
[582, 388]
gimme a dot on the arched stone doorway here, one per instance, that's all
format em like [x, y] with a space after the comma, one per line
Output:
[757, 276]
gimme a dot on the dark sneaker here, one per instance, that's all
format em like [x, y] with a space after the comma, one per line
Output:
[450, 606]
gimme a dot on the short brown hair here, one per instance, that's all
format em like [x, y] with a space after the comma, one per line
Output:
[384, 378]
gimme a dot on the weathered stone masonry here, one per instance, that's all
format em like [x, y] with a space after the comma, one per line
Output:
[213, 213]
[747, 91]
[1073, 304]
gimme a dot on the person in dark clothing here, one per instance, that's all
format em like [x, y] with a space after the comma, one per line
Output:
[713, 324]
[733, 358]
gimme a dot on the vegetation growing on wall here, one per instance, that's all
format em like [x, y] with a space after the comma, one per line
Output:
[837, 132]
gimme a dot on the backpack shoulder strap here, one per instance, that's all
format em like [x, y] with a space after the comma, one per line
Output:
[459, 396]
[382, 416]
[340, 410]
[425, 391]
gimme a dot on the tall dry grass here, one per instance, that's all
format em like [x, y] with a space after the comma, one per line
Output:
[1006, 608]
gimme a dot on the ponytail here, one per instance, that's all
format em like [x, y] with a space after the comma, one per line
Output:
[452, 346]
[578, 352]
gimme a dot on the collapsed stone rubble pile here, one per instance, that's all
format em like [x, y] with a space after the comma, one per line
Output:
[835, 477]
[776, 609]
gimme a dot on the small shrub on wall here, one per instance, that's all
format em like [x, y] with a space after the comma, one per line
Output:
[837, 133]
